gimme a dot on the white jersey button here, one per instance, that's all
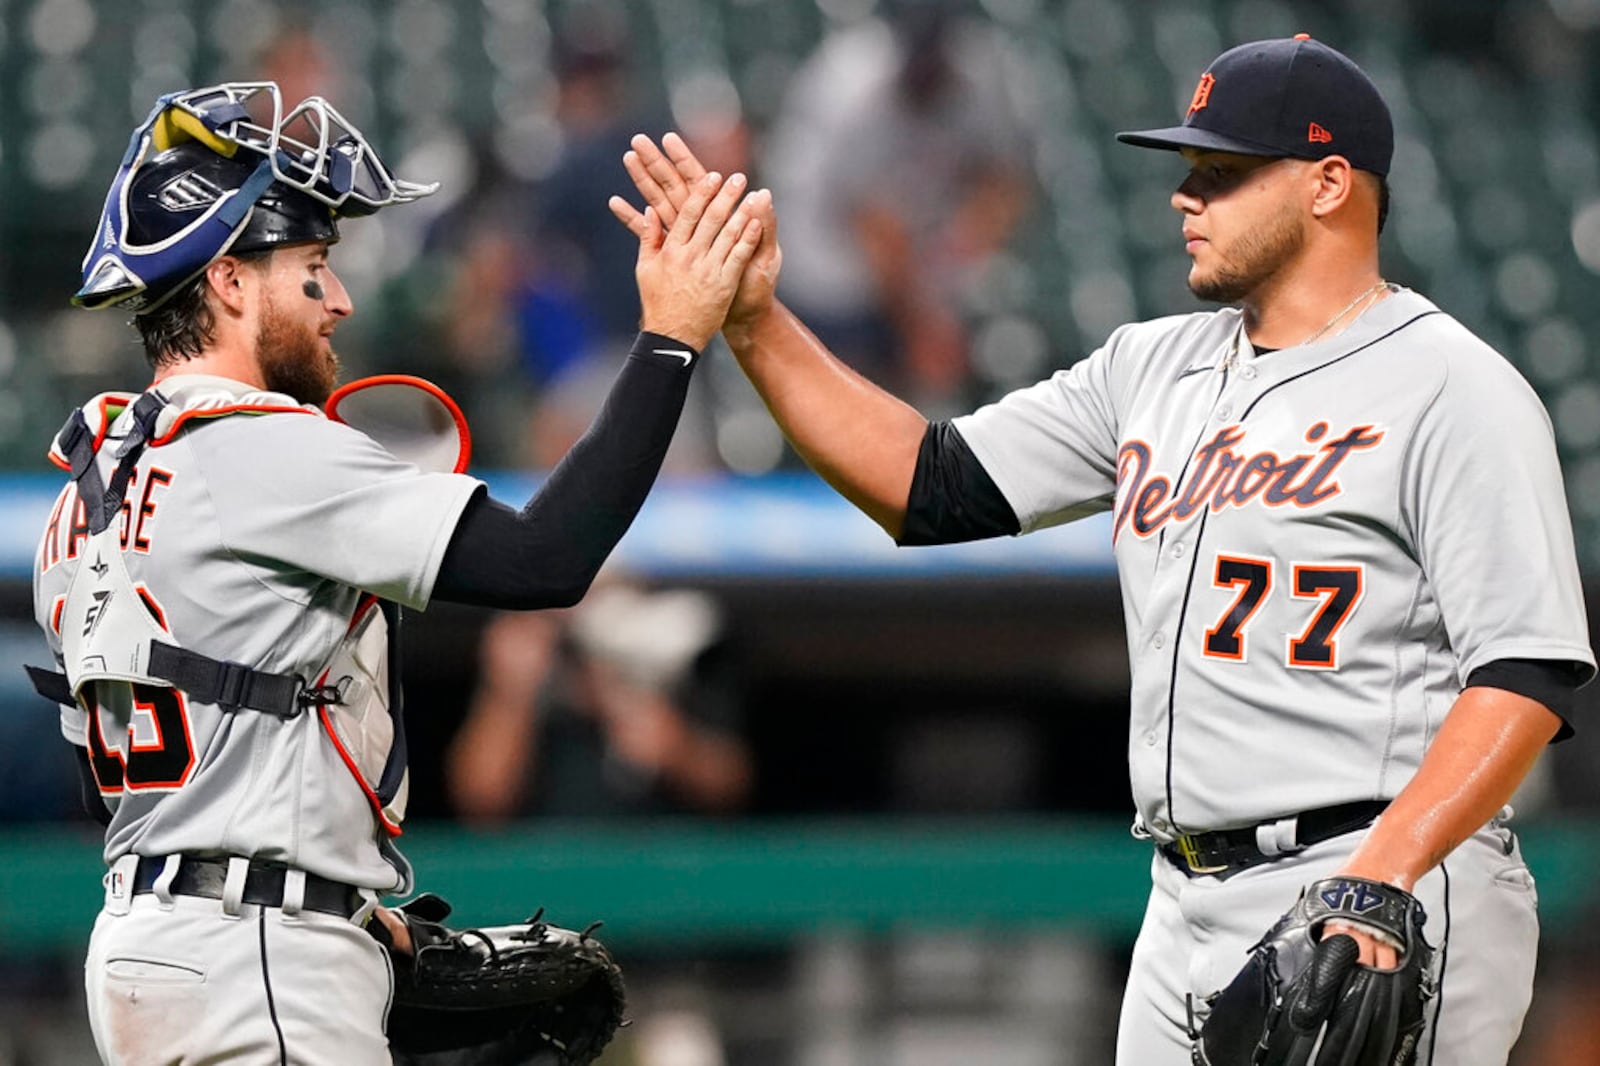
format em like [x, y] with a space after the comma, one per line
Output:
[1159, 641]
[1223, 412]
[1150, 739]
[1248, 373]
[1178, 550]
[1159, 823]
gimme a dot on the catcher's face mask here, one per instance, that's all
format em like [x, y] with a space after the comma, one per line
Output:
[226, 168]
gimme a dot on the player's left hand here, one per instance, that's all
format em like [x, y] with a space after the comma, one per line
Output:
[1305, 988]
[1373, 951]
[399, 934]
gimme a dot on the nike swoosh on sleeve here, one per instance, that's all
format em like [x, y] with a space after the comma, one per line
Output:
[687, 357]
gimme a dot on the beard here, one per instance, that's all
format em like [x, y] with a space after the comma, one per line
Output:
[1253, 258]
[292, 358]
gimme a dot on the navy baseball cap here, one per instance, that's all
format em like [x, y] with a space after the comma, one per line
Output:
[1290, 97]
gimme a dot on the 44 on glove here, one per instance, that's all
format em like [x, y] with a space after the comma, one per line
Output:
[1301, 1001]
[495, 996]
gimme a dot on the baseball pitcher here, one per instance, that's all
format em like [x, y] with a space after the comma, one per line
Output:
[1343, 662]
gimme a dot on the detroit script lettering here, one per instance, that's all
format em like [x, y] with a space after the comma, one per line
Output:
[1222, 476]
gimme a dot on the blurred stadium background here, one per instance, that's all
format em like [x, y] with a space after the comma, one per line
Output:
[920, 853]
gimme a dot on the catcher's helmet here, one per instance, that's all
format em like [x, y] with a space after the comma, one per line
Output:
[186, 194]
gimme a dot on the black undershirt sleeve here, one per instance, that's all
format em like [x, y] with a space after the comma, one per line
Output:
[547, 554]
[1552, 682]
[953, 498]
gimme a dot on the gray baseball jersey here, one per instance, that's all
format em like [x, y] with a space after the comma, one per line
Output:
[1316, 546]
[252, 538]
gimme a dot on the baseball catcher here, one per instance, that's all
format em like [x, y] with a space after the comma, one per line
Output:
[500, 995]
[221, 590]
[1300, 1001]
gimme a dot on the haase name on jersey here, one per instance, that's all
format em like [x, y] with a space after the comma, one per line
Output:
[64, 540]
[1222, 477]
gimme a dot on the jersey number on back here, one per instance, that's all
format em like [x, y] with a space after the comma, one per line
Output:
[162, 760]
[1334, 589]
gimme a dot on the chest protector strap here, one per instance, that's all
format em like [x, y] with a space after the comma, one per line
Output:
[79, 444]
[229, 685]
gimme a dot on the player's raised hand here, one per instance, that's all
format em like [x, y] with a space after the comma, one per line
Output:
[665, 177]
[688, 271]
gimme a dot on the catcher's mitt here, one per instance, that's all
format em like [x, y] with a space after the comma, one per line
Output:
[498, 996]
[1296, 991]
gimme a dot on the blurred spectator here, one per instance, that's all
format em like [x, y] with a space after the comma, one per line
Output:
[898, 161]
[580, 303]
[542, 306]
[625, 704]
[298, 61]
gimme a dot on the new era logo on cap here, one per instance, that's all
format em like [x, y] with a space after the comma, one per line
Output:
[1287, 97]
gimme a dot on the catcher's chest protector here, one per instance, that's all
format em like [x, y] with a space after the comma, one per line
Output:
[112, 633]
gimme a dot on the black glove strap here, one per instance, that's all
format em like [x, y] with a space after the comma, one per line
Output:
[1367, 902]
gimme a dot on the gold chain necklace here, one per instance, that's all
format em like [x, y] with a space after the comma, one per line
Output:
[1351, 306]
[1233, 355]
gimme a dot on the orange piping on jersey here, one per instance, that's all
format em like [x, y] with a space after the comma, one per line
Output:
[232, 409]
[55, 613]
[332, 406]
[350, 764]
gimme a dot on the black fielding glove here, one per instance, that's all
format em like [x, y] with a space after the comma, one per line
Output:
[1296, 990]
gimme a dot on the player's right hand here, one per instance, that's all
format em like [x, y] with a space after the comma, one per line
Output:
[665, 177]
[688, 271]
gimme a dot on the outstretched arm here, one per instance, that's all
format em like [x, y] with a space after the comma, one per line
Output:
[548, 553]
[862, 440]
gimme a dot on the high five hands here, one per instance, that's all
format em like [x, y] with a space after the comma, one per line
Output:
[676, 187]
[691, 259]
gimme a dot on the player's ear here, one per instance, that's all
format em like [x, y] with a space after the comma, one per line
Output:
[229, 282]
[1335, 182]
